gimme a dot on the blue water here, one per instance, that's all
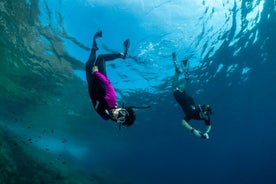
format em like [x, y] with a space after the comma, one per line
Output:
[231, 49]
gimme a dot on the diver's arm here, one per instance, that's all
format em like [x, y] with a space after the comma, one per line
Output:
[208, 129]
[177, 72]
[206, 134]
[190, 128]
[195, 131]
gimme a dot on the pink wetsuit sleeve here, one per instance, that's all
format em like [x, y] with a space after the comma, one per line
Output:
[110, 95]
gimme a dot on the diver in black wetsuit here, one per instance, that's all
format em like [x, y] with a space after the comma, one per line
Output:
[192, 111]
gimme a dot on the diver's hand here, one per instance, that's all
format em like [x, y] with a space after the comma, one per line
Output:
[196, 132]
[204, 136]
[199, 134]
[95, 69]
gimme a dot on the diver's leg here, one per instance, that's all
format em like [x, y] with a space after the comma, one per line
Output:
[175, 84]
[89, 64]
[101, 59]
[186, 73]
[92, 57]
[186, 69]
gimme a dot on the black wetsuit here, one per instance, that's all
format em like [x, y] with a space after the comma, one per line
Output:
[188, 106]
[96, 87]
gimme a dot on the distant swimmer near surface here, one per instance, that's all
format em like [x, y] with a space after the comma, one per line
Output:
[191, 110]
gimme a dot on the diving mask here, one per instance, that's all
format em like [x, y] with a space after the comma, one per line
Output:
[122, 115]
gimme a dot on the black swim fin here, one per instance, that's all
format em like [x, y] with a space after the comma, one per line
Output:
[173, 56]
[185, 62]
[126, 46]
[98, 34]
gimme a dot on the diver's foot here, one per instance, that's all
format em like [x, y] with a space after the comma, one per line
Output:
[126, 46]
[98, 34]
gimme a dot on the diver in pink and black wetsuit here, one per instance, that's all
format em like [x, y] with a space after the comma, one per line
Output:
[101, 91]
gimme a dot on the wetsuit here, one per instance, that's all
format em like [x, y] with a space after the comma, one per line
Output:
[188, 106]
[101, 92]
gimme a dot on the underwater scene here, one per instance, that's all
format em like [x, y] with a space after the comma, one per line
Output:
[50, 132]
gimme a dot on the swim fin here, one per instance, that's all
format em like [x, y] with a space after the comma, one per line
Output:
[126, 46]
[185, 62]
[98, 34]
[173, 56]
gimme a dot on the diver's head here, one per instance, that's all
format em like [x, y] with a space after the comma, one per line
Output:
[129, 120]
[124, 116]
[205, 110]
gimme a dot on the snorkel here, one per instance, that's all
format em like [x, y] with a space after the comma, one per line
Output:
[127, 116]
